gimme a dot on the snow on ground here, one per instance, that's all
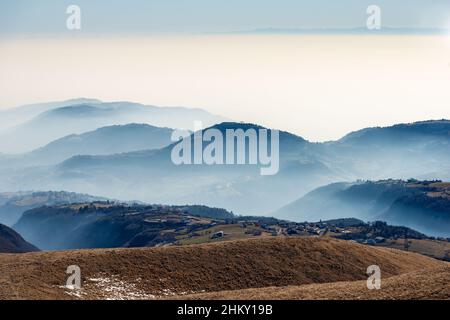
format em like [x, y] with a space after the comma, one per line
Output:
[112, 287]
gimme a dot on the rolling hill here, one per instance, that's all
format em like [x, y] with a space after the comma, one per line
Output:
[107, 224]
[103, 141]
[15, 116]
[413, 150]
[13, 204]
[55, 123]
[417, 150]
[303, 167]
[171, 272]
[151, 176]
[397, 135]
[430, 284]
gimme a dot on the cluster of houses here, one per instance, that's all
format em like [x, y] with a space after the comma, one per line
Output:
[360, 232]
[287, 228]
[295, 229]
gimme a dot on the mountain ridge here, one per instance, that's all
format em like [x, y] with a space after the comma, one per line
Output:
[152, 177]
[102, 141]
[14, 204]
[12, 242]
[421, 205]
[55, 123]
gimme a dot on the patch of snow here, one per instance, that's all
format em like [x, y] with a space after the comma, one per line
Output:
[73, 291]
[113, 288]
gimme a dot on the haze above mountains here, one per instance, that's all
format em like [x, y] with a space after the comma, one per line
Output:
[122, 151]
[32, 126]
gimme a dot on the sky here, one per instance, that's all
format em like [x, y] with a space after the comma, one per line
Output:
[180, 53]
[101, 17]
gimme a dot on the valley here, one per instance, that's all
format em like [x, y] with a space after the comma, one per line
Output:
[177, 152]
[114, 225]
[377, 196]
[121, 150]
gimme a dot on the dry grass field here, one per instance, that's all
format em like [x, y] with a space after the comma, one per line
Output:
[265, 268]
[432, 248]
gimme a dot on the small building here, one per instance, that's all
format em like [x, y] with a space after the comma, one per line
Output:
[217, 235]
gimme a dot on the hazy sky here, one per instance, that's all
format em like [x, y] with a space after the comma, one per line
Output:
[184, 16]
[318, 86]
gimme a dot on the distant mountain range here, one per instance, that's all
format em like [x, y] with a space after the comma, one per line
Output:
[346, 31]
[420, 150]
[416, 150]
[421, 205]
[103, 141]
[15, 116]
[56, 121]
[152, 177]
[109, 149]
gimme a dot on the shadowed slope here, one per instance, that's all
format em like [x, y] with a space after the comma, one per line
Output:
[12, 242]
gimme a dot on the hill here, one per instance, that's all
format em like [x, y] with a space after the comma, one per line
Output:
[402, 151]
[15, 116]
[410, 133]
[12, 242]
[421, 205]
[176, 271]
[55, 123]
[419, 150]
[151, 176]
[425, 284]
[110, 225]
[13, 204]
[103, 141]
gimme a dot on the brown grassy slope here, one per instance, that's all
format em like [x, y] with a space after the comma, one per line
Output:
[426, 284]
[233, 265]
[432, 248]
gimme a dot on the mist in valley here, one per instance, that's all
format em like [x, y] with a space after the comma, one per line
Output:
[133, 162]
